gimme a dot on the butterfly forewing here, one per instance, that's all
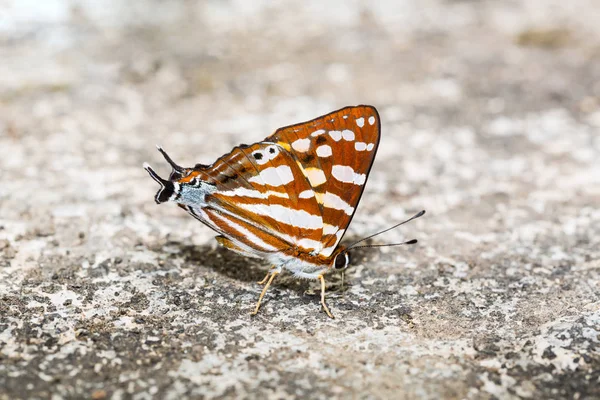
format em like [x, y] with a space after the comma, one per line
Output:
[334, 153]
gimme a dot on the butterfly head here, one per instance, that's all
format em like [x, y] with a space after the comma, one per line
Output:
[173, 188]
[167, 189]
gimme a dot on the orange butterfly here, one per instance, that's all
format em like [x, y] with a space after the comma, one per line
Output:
[289, 198]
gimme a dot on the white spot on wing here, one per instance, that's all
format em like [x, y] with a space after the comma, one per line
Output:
[315, 176]
[298, 218]
[330, 200]
[346, 174]
[324, 151]
[317, 133]
[245, 233]
[335, 135]
[268, 154]
[371, 120]
[255, 194]
[328, 250]
[360, 122]
[274, 176]
[310, 244]
[301, 145]
[360, 146]
[329, 229]
[306, 194]
[277, 194]
[348, 135]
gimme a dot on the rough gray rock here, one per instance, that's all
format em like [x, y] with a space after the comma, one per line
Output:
[491, 118]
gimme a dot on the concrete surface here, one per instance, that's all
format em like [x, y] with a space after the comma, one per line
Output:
[491, 118]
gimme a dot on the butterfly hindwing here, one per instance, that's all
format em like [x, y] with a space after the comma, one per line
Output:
[335, 153]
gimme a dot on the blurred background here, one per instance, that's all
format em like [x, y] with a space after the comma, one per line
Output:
[477, 98]
[490, 121]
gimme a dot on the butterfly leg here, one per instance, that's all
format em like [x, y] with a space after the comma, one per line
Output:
[273, 275]
[323, 297]
[267, 277]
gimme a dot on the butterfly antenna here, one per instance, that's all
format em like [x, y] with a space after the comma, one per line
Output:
[169, 160]
[417, 215]
[412, 241]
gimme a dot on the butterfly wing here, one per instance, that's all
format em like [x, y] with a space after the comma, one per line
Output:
[335, 153]
[297, 190]
[256, 205]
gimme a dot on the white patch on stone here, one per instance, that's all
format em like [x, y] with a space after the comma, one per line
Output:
[324, 151]
[315, 176]
[360, 122]
[317, 133]
[348, 135]
[335, 135]
[274, 176]
[301, 145]
[371, 120]
[346, 174]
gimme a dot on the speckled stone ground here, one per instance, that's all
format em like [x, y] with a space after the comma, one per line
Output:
[491, 118]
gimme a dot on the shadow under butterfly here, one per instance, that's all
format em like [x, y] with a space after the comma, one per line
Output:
[289, 198]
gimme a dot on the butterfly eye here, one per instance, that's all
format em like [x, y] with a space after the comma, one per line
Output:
[341, 261]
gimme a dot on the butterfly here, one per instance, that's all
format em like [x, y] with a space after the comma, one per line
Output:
[287, 199]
